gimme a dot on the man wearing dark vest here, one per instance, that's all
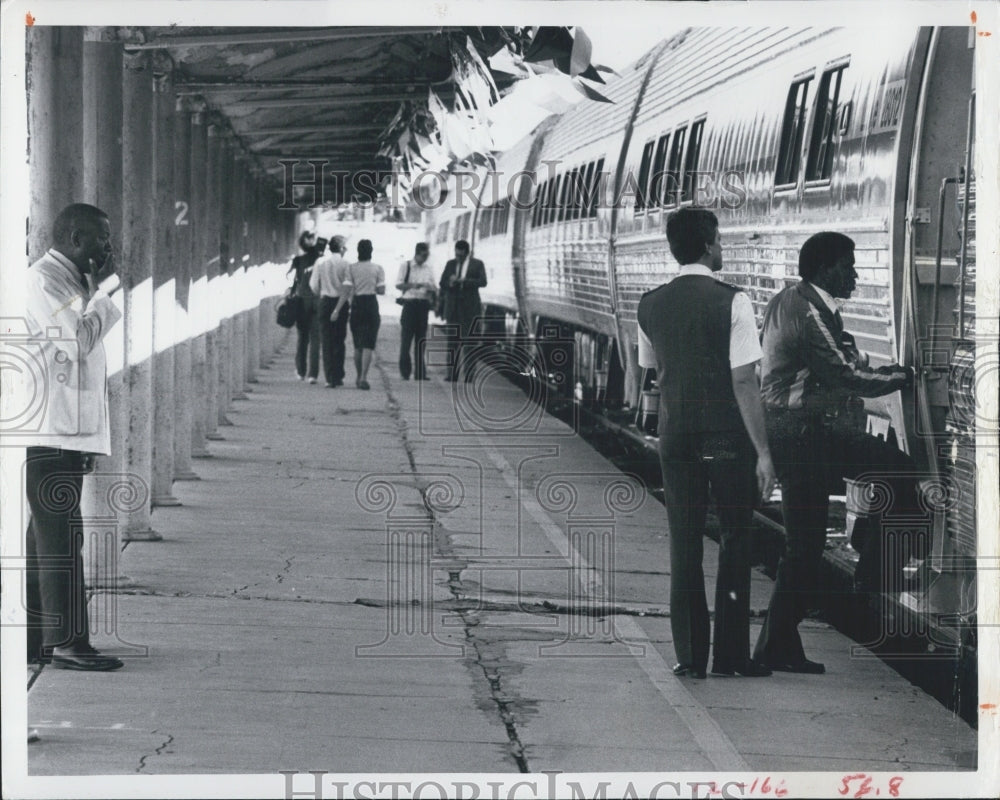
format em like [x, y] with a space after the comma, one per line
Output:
[812, 379]
[701, 336]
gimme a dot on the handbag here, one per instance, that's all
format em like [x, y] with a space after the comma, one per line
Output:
[287, 311]
[399, 300]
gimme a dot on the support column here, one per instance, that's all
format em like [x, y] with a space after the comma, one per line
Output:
[136, 272]
[267, 323]
[183, 253]
[164, 281]
[197, 306]
[54, 69]
[210, 259]
[253, 274]
[239, 273]
[223, 295]
[102, 181]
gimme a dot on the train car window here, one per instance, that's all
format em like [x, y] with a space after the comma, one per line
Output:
[691, 160]
[658, 182]
[569, 195]
[580, 195]
[565, 195]
[580, 192]
[485, 222]
[595, 187]
[549, 202]
[672, 189]
[792, 131]
[819, 163]
[642, 190]
[442, 232]
[462, 230]
[572, 193]
[536, 211]
[586, 189]
[553, 206]
[504, 216]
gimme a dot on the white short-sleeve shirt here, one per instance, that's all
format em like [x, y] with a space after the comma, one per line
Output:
[744, 344]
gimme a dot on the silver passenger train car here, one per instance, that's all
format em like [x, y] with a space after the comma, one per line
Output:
[783, 133]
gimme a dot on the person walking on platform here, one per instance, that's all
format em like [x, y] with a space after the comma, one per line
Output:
[416, 282]
[461, 281]
[307, 322]
[327, 280]
[364, 280]
[812, 379]
[701, 336]
[68, 313]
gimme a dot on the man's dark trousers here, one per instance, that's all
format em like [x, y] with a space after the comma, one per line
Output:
[413, 333]
[334, 337]
[688, 471]
[54, 544]
[812, 458]
[308, 328]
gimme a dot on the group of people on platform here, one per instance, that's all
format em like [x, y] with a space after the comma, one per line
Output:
[334, 294]
[719, 427]
[801, 424]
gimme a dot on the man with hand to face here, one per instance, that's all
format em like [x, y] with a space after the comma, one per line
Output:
[68, 314]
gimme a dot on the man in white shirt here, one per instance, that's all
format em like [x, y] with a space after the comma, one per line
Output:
[69, 312]
[327, 282]
[416, 282]
[701, 336]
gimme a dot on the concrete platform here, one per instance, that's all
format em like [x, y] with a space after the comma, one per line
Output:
[427, 577]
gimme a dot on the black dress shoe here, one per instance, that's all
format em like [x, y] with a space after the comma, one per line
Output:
[85, 658]
[804, 667]
[748, 669]
[680, 670]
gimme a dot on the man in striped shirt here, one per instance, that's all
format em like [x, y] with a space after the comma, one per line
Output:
[812, 379]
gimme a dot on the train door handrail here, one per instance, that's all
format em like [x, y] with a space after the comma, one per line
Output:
[967, 181]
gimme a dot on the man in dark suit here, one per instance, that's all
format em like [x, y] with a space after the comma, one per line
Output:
[812, 379]
[701, 336]
[461, 280]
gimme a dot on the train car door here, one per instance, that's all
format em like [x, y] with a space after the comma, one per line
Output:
[938, 286]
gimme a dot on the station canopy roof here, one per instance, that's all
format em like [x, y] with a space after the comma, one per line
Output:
[363, 99]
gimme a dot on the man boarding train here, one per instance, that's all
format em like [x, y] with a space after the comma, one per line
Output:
[700, 335]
